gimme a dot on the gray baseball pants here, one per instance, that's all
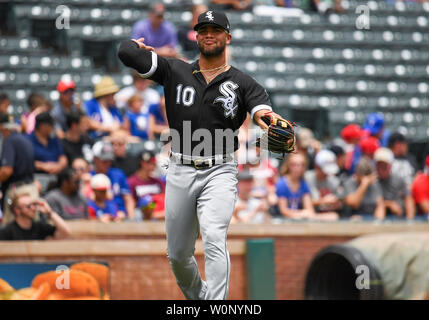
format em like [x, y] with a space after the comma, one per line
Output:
[195, 199]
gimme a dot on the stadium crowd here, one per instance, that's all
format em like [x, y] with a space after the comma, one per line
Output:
[102, 159]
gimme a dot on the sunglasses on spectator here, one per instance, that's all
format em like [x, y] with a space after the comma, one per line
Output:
[29, 206]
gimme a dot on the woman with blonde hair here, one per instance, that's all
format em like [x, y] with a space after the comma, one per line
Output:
[294, 199]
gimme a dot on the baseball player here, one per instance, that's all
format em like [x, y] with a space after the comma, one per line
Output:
[201, 189]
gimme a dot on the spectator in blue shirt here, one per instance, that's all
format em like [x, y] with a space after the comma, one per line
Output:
[292, 191]
[48, 153]
[102, 109]
[374, 125]
[103, 157]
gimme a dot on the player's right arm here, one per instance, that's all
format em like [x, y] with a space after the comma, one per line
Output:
[135, 54]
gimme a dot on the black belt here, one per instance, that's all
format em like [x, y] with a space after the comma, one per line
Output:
[204, 163]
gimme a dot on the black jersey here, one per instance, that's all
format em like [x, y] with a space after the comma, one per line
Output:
[192, 104]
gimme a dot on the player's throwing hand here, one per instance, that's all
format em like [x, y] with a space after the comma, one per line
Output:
[142, 45]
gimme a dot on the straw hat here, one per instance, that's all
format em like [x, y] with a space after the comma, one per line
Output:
[106, 86]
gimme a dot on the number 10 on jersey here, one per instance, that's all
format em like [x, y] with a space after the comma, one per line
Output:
[185, 96]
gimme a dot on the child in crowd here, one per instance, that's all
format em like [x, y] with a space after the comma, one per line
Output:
[147, 205]
[37, 104]
[102, 207]
[135, 121]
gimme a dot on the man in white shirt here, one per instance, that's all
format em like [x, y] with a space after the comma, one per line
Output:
[140, 86]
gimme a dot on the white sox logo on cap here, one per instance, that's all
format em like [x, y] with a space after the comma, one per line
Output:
[213, 17]
[209, 15]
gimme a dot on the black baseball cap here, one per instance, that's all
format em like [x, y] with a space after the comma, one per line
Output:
[396, 137]
[6, 121]
[44, 117]
[4, 118]
[213, 17]
[338, 150]
[148, 156]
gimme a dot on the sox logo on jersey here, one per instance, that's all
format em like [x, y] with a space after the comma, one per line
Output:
[228, 100]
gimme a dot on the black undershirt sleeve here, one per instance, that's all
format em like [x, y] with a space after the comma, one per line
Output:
[134, 57]
[142, 61]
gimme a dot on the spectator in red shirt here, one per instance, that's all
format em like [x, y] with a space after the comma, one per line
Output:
[352, 134]
[142, 183]
[420, 190]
